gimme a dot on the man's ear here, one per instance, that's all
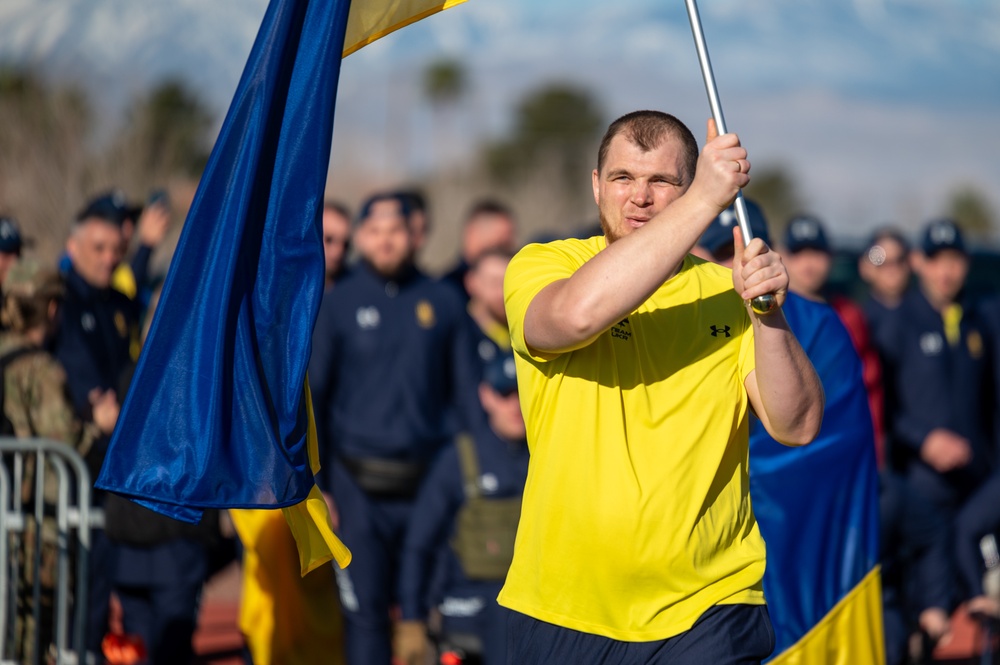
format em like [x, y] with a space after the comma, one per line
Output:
[595, 178]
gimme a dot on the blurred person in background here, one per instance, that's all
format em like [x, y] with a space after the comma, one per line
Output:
[809, 259]
[336, 241]
[488, 468]
[940, 377]
[10, 246]
[489, 225]
[37, 403]
[392, 357]
[980, 516]
[484, 284]
[97, 329]
[885, 268]
[149, 224]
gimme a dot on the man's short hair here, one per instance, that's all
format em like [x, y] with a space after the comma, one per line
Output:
[337, 207]
[416, 201]
[488, 207]
[647, 130]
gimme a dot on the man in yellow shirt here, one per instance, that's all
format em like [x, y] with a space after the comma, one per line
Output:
[638, 366]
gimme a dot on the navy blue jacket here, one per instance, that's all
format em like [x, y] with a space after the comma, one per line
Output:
[94, 338]
[391, 361]
[937, 385]
[427, 555]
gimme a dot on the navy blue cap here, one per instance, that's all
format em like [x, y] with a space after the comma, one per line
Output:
[805, 232]
[404, 201]
[719, 233]
[942, 234]
[499, 373]
[10, 236]
[110, 206]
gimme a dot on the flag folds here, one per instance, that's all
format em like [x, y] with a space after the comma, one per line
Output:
[817, 507]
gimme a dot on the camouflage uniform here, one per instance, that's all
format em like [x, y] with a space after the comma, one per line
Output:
[37, 402]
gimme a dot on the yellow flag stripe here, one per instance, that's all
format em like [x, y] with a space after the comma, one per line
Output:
[359, 36]
[850, 633]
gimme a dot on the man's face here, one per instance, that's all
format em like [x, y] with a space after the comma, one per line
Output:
[94, 249]
[808, 270]
[886, 269]
[942, 275]
[336, 233]
[634, 186]
[384, 238]
[486, 232]
[503, 413]
[485, 285]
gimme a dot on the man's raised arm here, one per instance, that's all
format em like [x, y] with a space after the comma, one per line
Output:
[654, 217]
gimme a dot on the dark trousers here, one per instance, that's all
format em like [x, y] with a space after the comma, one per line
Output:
[488, 625]
[979, 516]
[101, 564]
[724, 635]
[373, 529]
[160, 588]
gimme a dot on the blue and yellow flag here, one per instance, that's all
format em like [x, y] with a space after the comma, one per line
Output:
[817, 507]
[216, 417]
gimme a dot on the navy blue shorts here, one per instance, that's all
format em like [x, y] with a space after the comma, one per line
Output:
[724, 635]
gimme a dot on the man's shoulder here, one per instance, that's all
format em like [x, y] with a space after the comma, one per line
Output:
[34, 364]
[578, 248]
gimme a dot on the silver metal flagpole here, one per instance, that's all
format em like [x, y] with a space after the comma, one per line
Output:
[767, 302]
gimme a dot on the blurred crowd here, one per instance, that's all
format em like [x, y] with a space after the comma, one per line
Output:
[423, 444]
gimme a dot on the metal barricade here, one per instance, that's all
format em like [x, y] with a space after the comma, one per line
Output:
[22, 527]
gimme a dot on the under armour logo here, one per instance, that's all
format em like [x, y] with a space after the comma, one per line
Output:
[724, 330]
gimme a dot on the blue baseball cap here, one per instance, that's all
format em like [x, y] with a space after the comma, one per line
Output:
[111, 206]
[500, 374]
[10, 236]
[719, 233]
[942, 234]
[404, 201]
[806, 232]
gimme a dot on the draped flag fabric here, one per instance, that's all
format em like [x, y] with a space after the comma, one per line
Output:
[216, 417]
[817, 507]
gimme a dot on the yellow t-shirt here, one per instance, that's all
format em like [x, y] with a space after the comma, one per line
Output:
[636, 516]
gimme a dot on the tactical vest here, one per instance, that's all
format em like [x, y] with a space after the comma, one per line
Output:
[485, 527]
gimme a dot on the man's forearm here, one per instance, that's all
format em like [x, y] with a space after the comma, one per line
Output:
[569, 314]
[791, 399]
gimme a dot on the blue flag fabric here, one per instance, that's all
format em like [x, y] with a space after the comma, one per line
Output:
[216, 416]
[817, 505]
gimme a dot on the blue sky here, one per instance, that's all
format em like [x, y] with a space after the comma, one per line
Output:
[880, 108]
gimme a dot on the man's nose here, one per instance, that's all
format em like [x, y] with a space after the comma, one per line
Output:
[642, 194]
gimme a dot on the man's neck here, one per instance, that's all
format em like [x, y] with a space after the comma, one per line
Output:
[889, 301]
[396, 275]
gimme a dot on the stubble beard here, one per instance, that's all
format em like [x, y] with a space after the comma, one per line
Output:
[610, 234]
